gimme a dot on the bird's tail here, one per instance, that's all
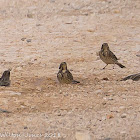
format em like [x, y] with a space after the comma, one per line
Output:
[120, 65]
[75, 82]
[3, 111]
[134, 77]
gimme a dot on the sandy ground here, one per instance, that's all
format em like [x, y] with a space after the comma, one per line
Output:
[36, 36]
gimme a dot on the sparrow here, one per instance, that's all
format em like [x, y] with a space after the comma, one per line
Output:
[134, 77]
[108, 56]
[64, 76]
[5, 78]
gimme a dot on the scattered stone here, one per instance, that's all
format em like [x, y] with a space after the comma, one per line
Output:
[104, 98]
[29, 15]
[19, 68]
[38, 24]
[138, 55]
[23, 39]
[108, 139]
[15, 93]
[106, 79]
[104, 103]
[110, 98]
[29, 40]
[38, 88]
[110, 116]
[90, 30]
[123, 115]
[98, 91]
[10, 93]
[25, 127]
[59, 114]
[52, 0]
[66, 94]
[122, 107]
[68, 23]
[103, 118]
[82, 136]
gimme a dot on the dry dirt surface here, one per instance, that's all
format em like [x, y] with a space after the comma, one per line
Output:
[36, 36]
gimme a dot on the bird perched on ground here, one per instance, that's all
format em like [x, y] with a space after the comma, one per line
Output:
[5, 78]
[64, 76]
[134, 77]
[108, 57]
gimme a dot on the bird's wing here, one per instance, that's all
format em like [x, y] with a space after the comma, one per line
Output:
[69, 75]
[112, 55]
[59, 75]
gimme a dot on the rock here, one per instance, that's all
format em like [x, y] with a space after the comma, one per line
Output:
[122, 107]
[103, 118]
[52, 0]
[110, 98]
[29, 15]
[98, 91]
[10, 93]
[123, 115]
[38, 88]
[38, 24]
[29, 40]
[25, 127]
[108, 139]
[15, 93]
[106, 79]
[23, 38]
[19, 68]
[82, 136]
[104, 103]
[110, 116]
[138, 54]
[104, 98]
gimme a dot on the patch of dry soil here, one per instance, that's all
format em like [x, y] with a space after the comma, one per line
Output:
[36, 36]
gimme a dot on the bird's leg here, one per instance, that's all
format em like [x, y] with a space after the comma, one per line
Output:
[105, 66]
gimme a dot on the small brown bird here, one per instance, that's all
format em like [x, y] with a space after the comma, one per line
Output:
[64, 76]
[5, 78]
[108, 56]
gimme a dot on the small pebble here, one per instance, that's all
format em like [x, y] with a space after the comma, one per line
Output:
[30, 15]
[25, 127]
[29, 40]
[23, 39]
[98, 91]
[108, 139]
[110, 116]
[106, 79]
[123, 115]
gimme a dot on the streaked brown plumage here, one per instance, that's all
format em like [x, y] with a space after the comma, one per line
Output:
[5, 78]
[108, 56]
[64, 76]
